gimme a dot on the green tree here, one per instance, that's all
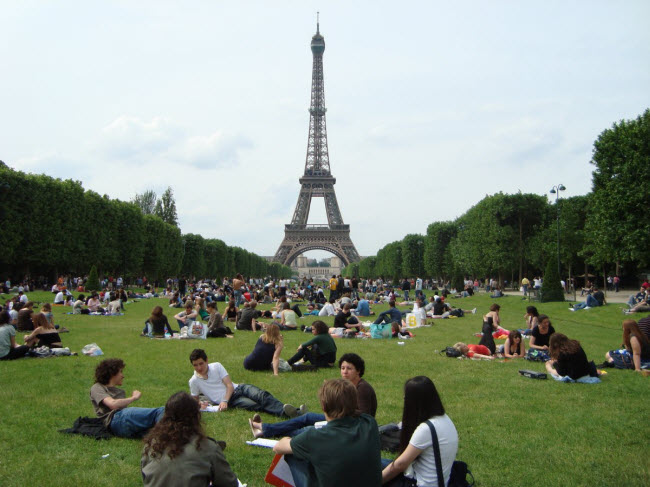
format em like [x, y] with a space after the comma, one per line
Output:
[412, 249]
[92, 284]
[438, 261]
[146, 202]
[166, 207]
[551, 285]
[617, 226]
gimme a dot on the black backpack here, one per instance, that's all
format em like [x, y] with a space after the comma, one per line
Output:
[451, 352]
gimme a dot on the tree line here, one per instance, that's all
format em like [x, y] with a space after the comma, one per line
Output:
[512, 235]
[52, 227]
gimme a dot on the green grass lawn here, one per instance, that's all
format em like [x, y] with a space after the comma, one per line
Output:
[512, 430]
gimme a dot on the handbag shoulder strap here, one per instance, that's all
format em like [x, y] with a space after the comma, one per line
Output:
[436, 452]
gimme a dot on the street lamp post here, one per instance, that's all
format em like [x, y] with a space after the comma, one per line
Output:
[556, 191]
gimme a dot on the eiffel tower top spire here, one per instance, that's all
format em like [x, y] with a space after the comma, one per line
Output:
[317, 162]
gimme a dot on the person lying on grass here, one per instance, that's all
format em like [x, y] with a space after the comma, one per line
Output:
[514, 346]
[473, 351]
[344, 452]
[178, 453]
[212, 380]
[111, 404]
[636, 354]
[352, 368]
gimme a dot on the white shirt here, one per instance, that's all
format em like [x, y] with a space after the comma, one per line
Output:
[23, 298]
[327, 310]
[59, 297]
[212, 387]
[424, 465]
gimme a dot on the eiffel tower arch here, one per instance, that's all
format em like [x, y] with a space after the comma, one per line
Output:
[317, 182]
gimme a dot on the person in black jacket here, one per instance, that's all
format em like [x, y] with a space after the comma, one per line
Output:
[568, 358]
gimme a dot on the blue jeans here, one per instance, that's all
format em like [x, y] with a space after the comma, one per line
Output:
[135, 422]
[299, 470]
[291, 427]
[237, 298]
[591, 302]
[252, 398]
[406, 295]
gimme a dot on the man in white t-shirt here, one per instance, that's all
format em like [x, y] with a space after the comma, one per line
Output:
[59, 298]
[212, 380]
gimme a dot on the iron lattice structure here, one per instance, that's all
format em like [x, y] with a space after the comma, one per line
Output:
[317, 182]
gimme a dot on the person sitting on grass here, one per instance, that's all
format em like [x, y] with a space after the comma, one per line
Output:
[248, 318]
[344, 319]
[642, 306]
[568, 358]
[231, 312]
[423, 410]
[94, 304]
[320, 351]
[44, 334]
[473, 351]
[177, 452]
[345, 452]
[266, 354]
[212, 380]
[111, 404]
[288, 318]
[390, 315]
[514, 346]
[328, 309]
[636, 354]
[9, 350]
[115, 305]
[363, 308]
[532, 319]
[597, 298]
[185, 318]
[352, 368]
[216, 327]
[157, 324]
[25, 317]
[540, 338]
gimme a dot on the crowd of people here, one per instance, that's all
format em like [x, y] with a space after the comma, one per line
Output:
[176, 449]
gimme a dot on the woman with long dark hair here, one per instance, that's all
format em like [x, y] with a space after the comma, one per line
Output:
[636, 354]
[568, 358]
[177, 451]
[157, 323]
[416, 457]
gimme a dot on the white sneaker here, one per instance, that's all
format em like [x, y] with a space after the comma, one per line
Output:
[474, 311]
[571, 309]
[587, 307]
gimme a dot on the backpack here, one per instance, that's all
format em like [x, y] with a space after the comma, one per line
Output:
[389, 436]
[451, 352]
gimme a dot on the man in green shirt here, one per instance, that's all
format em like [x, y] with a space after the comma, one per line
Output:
[320, 350]
[345, 452]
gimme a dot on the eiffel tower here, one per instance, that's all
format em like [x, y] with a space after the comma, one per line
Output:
[317, 182]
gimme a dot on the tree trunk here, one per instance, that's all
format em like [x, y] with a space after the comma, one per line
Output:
[586, 273]
[521, 251]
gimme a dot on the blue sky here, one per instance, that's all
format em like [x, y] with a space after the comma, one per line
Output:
[431, 105]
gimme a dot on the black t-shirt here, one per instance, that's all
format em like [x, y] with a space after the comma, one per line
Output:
[574, 365]
[341, 319]
[600, 297]
[541, 340]
[406, 286]
[439, 307]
